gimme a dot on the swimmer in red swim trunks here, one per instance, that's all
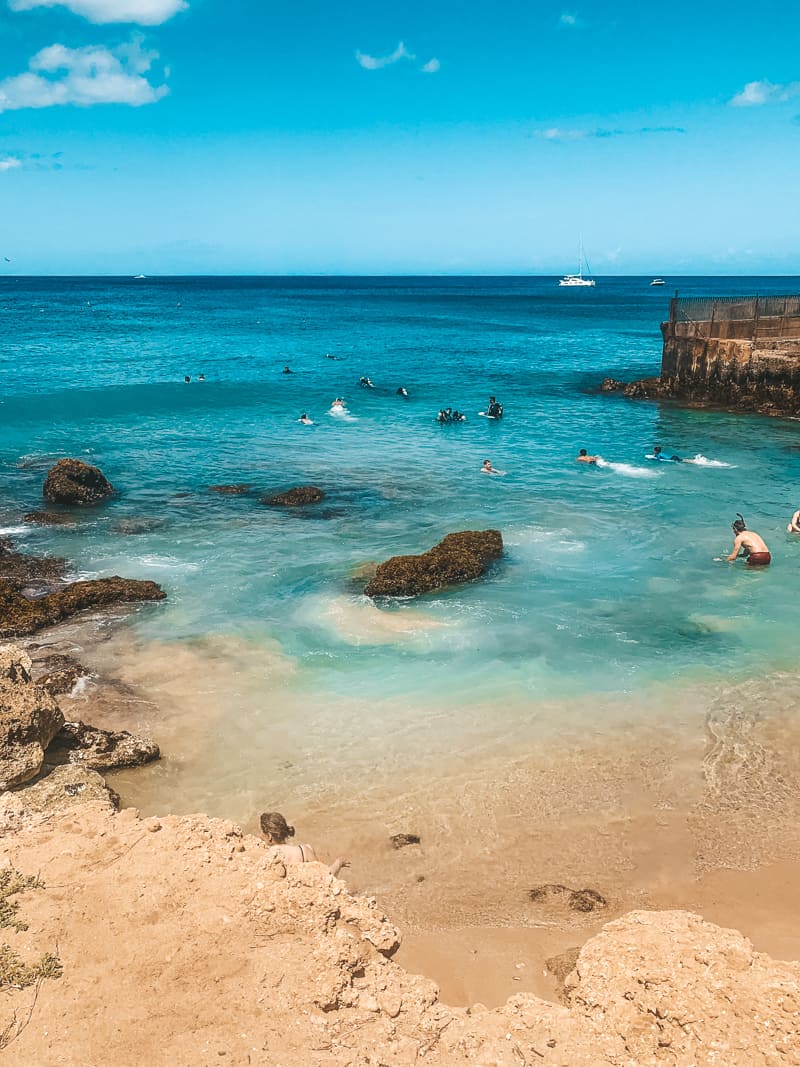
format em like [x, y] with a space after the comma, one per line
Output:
[749, 544]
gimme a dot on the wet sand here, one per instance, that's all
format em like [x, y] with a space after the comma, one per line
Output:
[693, 803]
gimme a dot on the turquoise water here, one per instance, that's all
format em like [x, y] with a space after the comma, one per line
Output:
[609, 581]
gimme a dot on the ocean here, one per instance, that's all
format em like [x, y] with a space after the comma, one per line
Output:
[274, 674]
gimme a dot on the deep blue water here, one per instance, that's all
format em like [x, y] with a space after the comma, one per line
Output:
[609, 581]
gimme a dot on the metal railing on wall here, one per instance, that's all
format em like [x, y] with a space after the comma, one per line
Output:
[755, 316]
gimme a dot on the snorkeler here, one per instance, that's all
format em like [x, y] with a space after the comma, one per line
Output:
[186, 378]
[402, 391]
[749, 544]
[584, 457]
[794, 525]
[201, 377]
[366, 383]
[306, 421]
[286, 371]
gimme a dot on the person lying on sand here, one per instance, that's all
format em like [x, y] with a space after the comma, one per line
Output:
[747, 542]
[276, 831]
[794, 525]
[583, 457]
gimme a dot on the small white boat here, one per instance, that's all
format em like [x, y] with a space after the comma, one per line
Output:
[139, 277]
[578, 279]
[658, 281]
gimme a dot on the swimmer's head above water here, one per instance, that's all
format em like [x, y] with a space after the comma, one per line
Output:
[739, 525]
[275, 828]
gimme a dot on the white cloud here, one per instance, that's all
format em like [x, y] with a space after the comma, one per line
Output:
[376, 62]
[757, 93]
[144, 12]
[431, 67]
[568, 19]
[558, 135]
[9, 164]
[83, 76]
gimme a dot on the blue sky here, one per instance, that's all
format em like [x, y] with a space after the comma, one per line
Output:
[247, 136]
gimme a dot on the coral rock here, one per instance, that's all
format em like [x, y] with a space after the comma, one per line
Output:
[102, 750]
[50, 518]
[29, 719]
[460, 557]
[71, 481]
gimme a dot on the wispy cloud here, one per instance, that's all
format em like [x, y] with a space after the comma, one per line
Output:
[570, 20]
[376, 62]
[9, 164]
[59, 75]
[431, 67]
[143, 12]
[558, 135]
[757, 93]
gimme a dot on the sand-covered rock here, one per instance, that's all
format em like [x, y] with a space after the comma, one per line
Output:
[58, 790]
[29, 719]
[227, 956]
[102, 750]
[460, 557]
[300, 496]
[20, 615]
[71, 481]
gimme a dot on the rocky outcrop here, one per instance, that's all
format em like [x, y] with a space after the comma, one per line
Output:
[71, 481]
[574, 899]
[460, 557]
[295, 498]
[29, 719]
[58, 791]
[50, 518]
[102, 750]
[20, 615]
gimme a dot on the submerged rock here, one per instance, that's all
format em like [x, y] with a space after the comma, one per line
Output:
[401, 840]
[131, 527]
[71, 481]
[20, 615]
[20, 570]
[460, 557]
[102, 750]
[61, 672]
[295, 498]
[611, 385]
[29, 719]
[50, 518]
[231, 490]
[575, 899]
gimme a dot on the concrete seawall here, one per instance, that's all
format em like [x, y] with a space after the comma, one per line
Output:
[733, 353]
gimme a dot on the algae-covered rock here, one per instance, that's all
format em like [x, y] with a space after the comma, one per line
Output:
[460, 557]
[20, 615]
[71, 481]
[295, 498]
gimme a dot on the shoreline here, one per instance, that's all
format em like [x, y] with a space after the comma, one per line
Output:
[691, 811]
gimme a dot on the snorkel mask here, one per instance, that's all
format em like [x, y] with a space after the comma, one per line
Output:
[738, 525]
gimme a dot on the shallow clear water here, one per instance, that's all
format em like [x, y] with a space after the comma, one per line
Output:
[609, 581]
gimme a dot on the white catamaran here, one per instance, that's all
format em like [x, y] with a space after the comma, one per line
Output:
[578, 279]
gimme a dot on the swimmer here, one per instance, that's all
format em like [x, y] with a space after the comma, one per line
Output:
[794, 525]
[749, 544]
[186, 378]
[201, 377]
[658, 453]
[493, 409]
[402, 391]
[366, 383]
[487, 468]
[329, 356]
[276, 832]
[584, 457]
[306, 421]
[286, 371]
